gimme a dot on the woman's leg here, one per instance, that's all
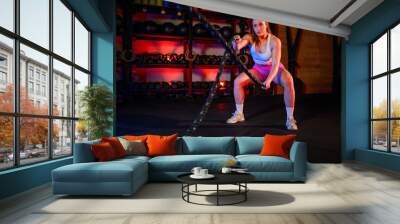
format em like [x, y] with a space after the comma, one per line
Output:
[288, 86]
[289, 97]
[241, 81]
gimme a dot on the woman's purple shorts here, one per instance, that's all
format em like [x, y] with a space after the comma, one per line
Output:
[262, 72]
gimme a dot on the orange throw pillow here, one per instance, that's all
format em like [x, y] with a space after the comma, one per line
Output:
[161, 145]
[103, 151]
[116, 145]
[277, 145]
[136, 137]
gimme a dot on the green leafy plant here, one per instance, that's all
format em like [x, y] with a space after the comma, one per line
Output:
[96, 103]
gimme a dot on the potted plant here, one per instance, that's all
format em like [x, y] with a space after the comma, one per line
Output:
[96, 103]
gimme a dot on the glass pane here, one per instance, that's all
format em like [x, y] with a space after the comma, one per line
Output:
[62, 89]
[7, 14]
[33, 139]
[35, 21]
[395, 47]
[34, 96]
[6, 74]
[62, 29]
[379, 135]
[395, 136]
[62, 138]
[379, 55]
[395, 94]
[379, 97]
[81, 81]
[81, 132]
[6, 142]
[81, 45]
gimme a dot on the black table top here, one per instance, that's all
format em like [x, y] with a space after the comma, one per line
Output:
[220, 178]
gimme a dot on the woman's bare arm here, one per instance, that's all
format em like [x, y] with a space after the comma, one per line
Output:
[242, 42]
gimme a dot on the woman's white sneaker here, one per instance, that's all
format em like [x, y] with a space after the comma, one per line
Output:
[236, 117]
[291, 124]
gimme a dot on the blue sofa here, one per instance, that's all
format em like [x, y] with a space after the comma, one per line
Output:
[125, 176]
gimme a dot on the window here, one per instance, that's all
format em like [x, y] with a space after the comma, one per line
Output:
[7, 14]
[38, 89]
[6, 73]
[62, 137]
[6, 142]
[3, 61]
[37, 74]
[62, 29]
[44, 91]
[3, 78]
[30, 87]
[62, 74]
[34, 21]
[47, 74]
[33, 147]
[81, 81]
[44, 77]
[30, 72]
[3, 72]
[385, 94]
[81, 45]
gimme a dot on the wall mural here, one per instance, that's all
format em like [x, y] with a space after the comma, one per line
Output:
[196, 72]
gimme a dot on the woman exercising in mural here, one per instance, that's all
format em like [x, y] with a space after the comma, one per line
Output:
[266, 53]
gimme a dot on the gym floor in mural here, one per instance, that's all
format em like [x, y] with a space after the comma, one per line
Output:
[318, 117]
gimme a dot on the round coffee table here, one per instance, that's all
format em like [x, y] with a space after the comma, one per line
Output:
[238, 179]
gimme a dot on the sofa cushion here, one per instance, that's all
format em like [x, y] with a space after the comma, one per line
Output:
[116, 144]
[208, 145]
[111, 171]
[185, 163]
[249, 145]
[135, 137]
[83, 152]
[103, 152]
[133, 157]
[277, 145]
[257, 163]
[161, 145]
[134, 147]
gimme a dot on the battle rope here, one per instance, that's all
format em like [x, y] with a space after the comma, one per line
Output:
[227, 46]
[210, 97]
[229, 52]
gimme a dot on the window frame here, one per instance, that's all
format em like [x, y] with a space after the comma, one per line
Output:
[388, 74]
[16, 114]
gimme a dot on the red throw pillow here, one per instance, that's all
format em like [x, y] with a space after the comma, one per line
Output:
[116, 145]
[103, 151]
[277, 145]
[161, 145]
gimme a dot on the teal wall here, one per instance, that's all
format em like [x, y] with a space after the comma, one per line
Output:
[103, 53]
[355, 92]
[24, 178]
[99, 15]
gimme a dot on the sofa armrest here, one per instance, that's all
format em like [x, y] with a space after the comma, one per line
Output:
[298, 155]
[83, 152]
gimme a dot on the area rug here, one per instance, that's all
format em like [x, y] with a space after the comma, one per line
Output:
[167, 198]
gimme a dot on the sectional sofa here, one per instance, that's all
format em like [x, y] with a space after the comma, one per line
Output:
[125, 176]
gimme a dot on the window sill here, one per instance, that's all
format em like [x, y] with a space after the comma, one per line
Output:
[382, 159]
[25, 167]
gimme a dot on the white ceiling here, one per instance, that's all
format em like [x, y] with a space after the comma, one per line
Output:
[315, 15]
